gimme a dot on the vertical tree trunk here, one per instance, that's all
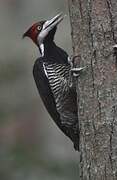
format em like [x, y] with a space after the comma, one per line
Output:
[94, 32]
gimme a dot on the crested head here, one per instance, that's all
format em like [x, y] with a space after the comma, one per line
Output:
[43, 30]
[34, 31]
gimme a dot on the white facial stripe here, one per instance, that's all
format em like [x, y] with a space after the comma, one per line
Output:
[42, 36]
[48, 26]
[44, 33]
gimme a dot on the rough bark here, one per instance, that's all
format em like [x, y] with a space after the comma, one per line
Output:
[94, 32]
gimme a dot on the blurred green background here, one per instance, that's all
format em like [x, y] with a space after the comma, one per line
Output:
[31, 146]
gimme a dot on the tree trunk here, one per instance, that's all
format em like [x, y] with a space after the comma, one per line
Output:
[94, 32]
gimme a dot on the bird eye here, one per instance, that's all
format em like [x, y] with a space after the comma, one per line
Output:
[38, 28]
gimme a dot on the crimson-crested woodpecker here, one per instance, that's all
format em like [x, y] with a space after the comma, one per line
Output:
[52, 74]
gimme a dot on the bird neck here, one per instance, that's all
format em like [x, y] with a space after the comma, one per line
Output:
[53, 53]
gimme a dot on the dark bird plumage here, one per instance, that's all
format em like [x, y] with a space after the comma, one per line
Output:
[53, 79]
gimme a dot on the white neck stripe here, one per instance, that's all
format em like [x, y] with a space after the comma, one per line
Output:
[42, 49]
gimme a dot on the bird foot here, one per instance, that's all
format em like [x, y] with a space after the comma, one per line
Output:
[76, 71]
[115, 46]
[115, 50]
[71, 60]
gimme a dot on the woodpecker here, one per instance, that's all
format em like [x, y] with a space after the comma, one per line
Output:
[53, 76]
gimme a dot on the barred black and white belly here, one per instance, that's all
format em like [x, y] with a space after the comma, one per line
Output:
[58, 76]
[59, 80]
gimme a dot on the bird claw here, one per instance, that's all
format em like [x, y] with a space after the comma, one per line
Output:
[76, 71]
[71, 60]
[115, 49]
[114, 46]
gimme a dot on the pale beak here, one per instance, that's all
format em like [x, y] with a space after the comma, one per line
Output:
[50, 24]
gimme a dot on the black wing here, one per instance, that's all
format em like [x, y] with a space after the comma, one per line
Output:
[44, 89]
[47, 97]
